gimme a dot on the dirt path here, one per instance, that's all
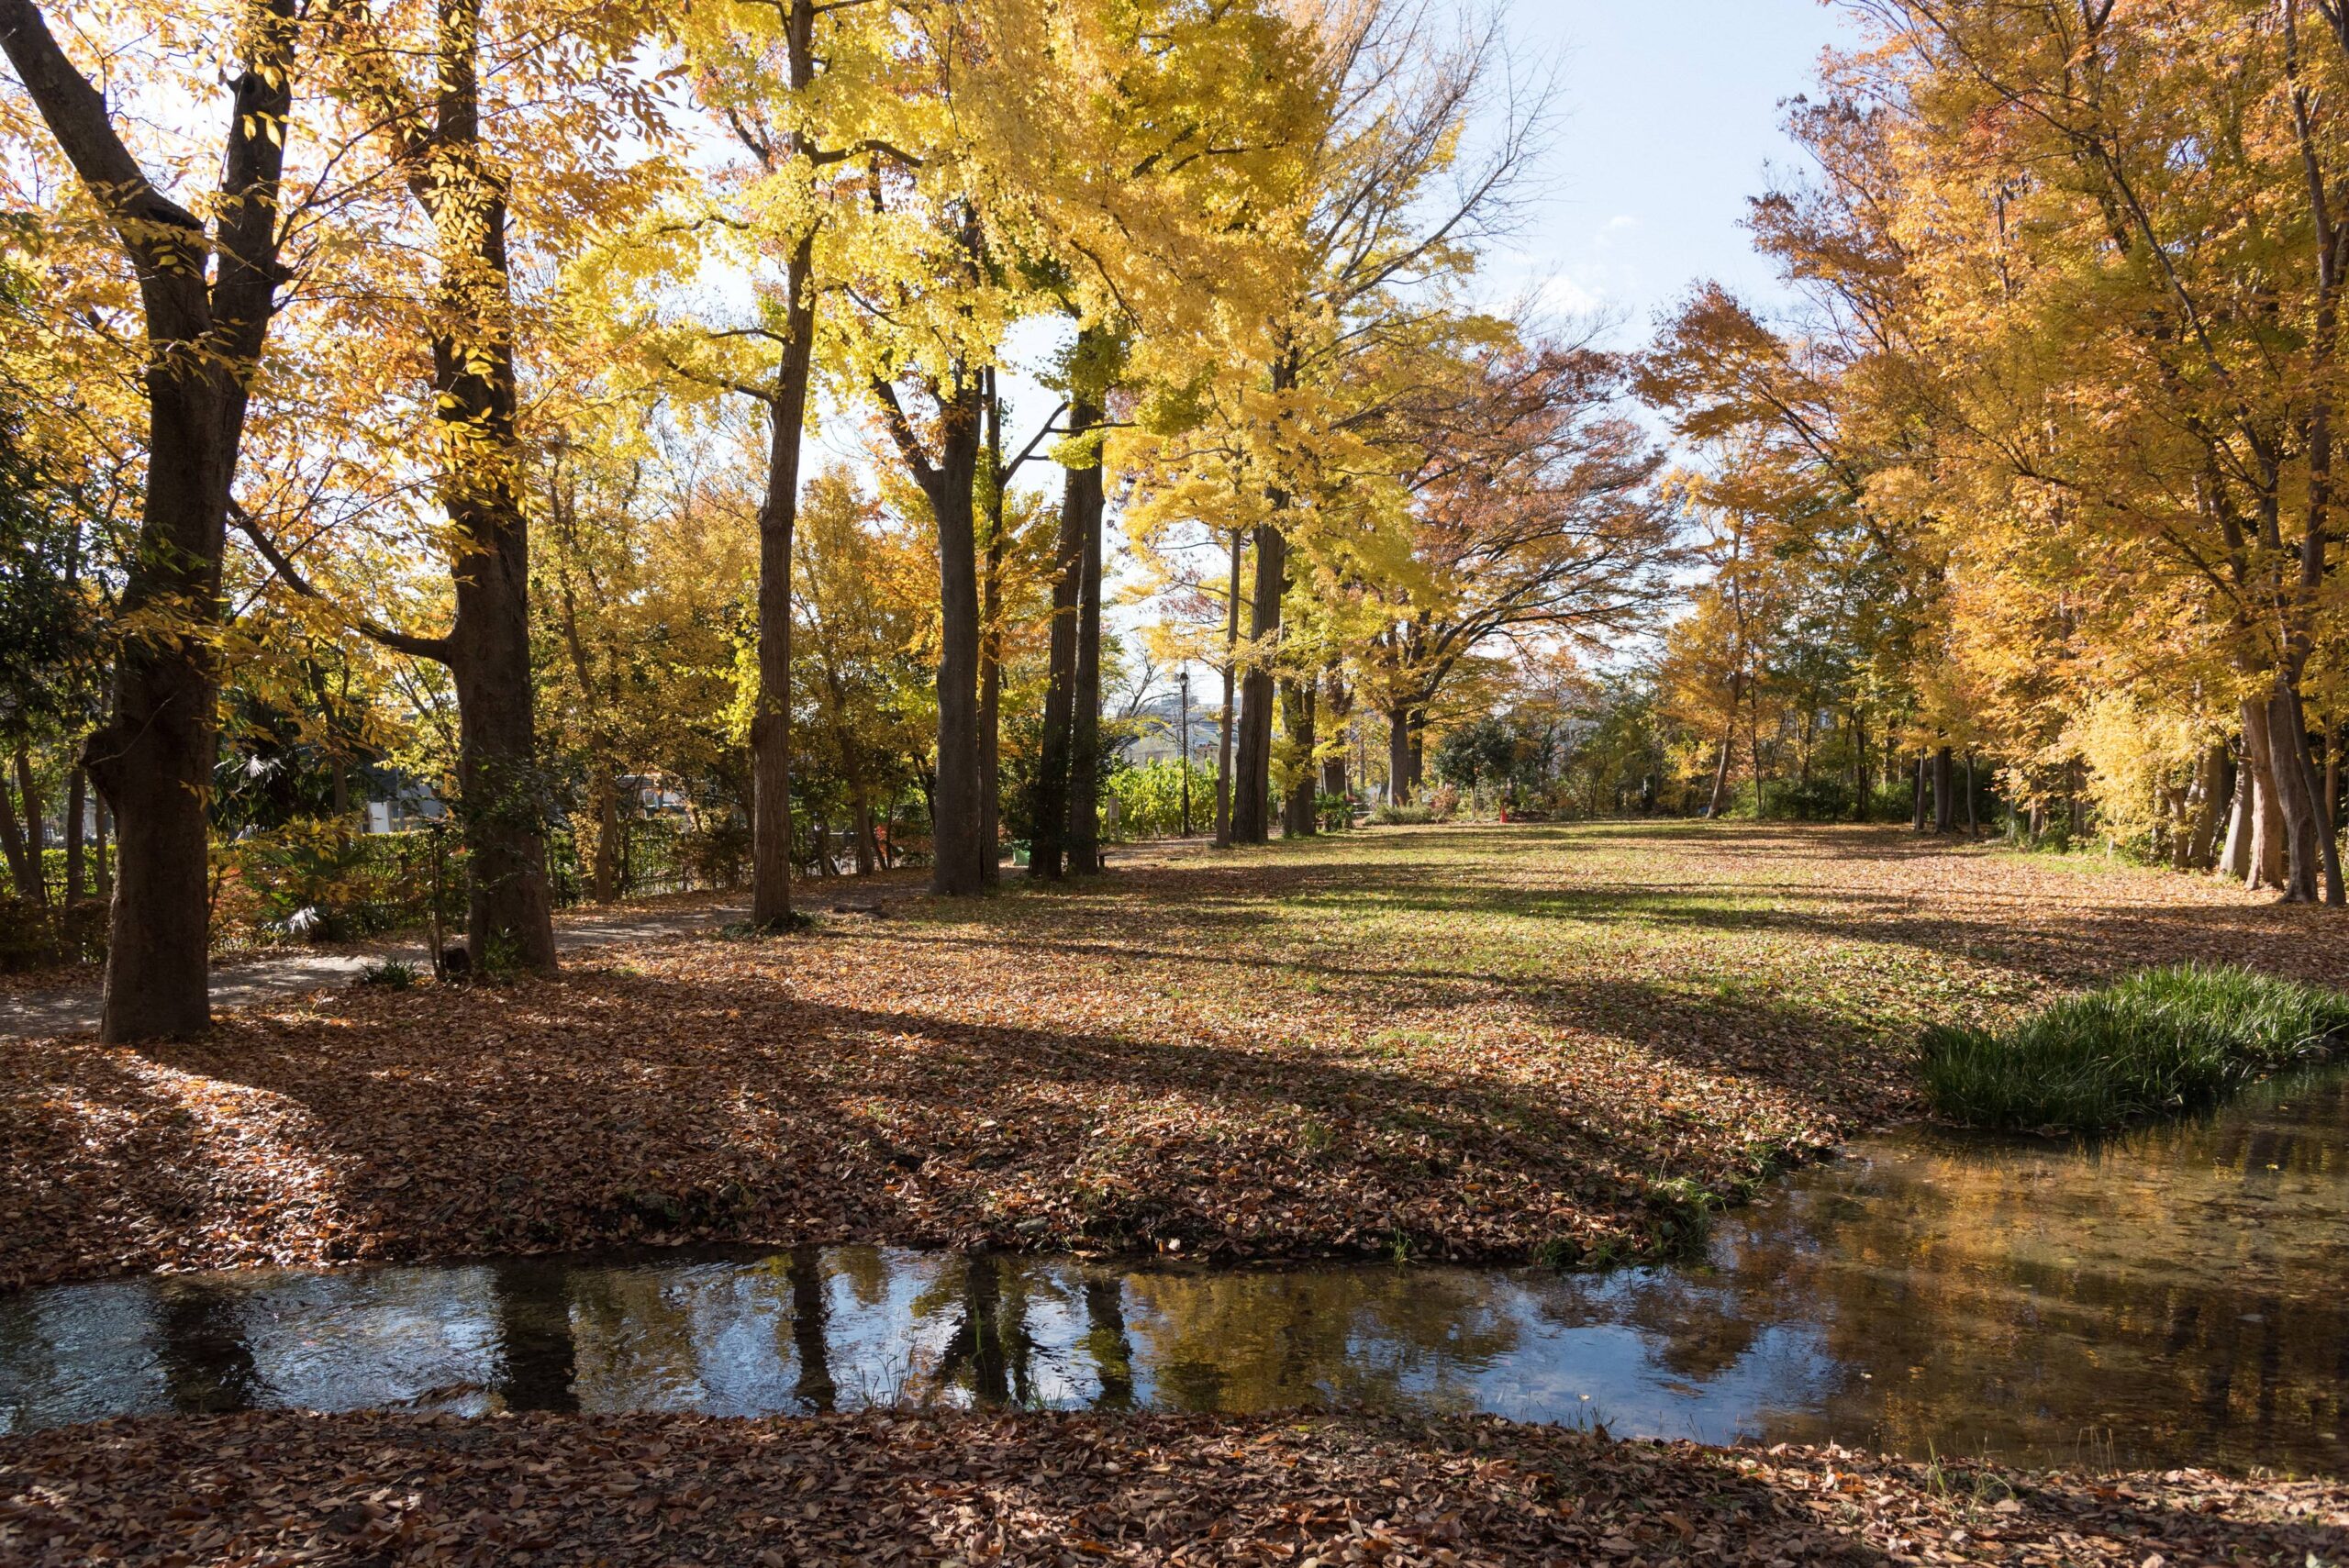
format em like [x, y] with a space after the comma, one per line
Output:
[74, 1009]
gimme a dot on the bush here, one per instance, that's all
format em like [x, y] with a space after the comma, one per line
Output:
[392, 975]
[1402, 816]
[1150, 799]
[2167, 1040]
[1816, 799]
[1335, 811]
[1444, 804]
[40, 936]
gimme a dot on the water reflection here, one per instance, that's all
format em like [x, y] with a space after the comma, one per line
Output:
[2170, 1298]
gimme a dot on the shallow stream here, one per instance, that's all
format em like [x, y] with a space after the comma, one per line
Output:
[2180, 1296]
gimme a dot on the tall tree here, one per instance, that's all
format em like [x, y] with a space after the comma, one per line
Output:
[208, 291]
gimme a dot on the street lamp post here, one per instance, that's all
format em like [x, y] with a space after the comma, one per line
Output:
[1181, 684]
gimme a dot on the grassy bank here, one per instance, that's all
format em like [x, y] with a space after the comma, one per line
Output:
[1468, 1043]
[1036, 1490]
[2172, 1039]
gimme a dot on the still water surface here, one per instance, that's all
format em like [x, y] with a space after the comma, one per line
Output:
[2173, 1297]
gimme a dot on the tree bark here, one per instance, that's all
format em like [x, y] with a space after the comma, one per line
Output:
[2263, 854]
[1048, 842]
[1299, 818]
[21, 872]
[1337, 704]
[2312, 868]
[1252, 784]
[1084, 722]
[1223, 723]
[35, 828]
[76, 807]
[151, 760]
[1918, 823]
[991, 650]
[1402, 773]
[1944, 792]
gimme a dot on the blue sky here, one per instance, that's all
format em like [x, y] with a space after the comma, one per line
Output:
[1667, 121]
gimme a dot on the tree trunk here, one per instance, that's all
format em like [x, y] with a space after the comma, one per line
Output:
[2263, 862]
[1944, 792]
[860, 804]
[1918, 824]
[1252, 784]
[1085, 720]
[36, 826]
[151, 760]
[510, 911]
[76, 807]
[991, 651]
[2311, 867]
[21, 876]
[778, 518]
[1400, 777]
[604, 800]
[1048, 842]
[1299, 818]
[104, 888]
[1223, 723]
[1720, 802]
[1338, 703]
[1863, 785]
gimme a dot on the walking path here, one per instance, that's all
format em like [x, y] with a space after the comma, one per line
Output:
[75, 1009]
[244, 981]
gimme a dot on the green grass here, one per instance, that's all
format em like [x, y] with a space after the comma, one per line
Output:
[2163, 1042]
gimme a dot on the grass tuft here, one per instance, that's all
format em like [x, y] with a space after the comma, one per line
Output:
[2154, 1044]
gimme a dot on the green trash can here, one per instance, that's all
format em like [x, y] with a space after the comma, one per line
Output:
[1018, 851]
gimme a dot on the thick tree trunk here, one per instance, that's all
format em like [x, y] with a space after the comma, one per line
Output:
[1401, 783]
[22, 875]
[1252, 784]
[1720, 801]
[603, 801]
[2204, 802]
[1048, 844]
[991, 652]
[1223, 723]
[2312, 867]
[1299, 818]
[1337, 705]
[1944, 792]
[36, 826]
[778, 518]
[2263, 855]
[1916, 824]
[151, 760]
[860, 804]
[76, 807]
[954, 834]
[1084, 718]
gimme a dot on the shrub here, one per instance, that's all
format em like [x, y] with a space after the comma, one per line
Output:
[1402, 816]
[36, 936]
[392, 975]
[1444, 803]
[1335, 811]
[2166, 1040]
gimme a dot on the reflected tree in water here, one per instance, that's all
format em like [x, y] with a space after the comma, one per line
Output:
[811, 1315]
[201, 1346]
[538, 1351]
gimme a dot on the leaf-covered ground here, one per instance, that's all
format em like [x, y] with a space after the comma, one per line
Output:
[1467, 1043]
[385, 1489]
